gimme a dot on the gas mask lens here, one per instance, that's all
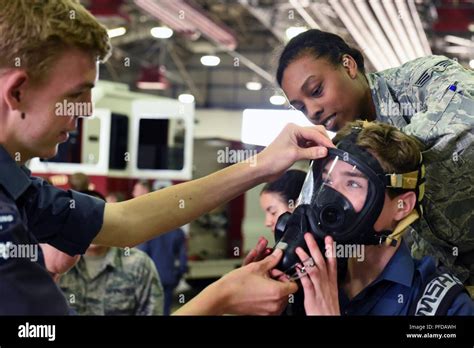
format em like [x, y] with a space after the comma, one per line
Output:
[347, 180]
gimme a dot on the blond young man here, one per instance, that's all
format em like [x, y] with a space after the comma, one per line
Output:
[50, 54]
[385, 280]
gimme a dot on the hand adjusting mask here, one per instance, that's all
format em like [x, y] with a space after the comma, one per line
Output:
[343, 196]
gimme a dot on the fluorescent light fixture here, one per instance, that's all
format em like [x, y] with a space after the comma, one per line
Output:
[374, 27]
[358, 37]
[459, 41]
[471, 63]
[291, 32]
[116, 32]
[367, 35]
[300, 8]
[262, 126]
[458, 50]
[253, 86]
[277, 99]
[399, 27]
[389, 31]
[210, 60]
[151, 85]
[186, 98]
[419, 27]
[405, 16]
[161, 32]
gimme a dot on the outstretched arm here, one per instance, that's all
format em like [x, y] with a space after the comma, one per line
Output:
[134, 221]
[248, 290]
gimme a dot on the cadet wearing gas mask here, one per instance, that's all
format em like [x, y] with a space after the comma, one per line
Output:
[357, 203]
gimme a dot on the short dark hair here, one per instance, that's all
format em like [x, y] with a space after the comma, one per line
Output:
[319, 44]
[145, 183]
[288, 186]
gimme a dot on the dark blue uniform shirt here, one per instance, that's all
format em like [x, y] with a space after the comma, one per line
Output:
[397, 287]
[32, 212]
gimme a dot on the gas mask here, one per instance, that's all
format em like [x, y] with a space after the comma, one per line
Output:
[342, 197]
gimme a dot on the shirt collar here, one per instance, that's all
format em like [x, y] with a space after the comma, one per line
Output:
[15, 179]
[401, 267]
[111, 259]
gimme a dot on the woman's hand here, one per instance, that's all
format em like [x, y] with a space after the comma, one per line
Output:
[259, 252]
[293, 144]
[249, 290]
[320, 283]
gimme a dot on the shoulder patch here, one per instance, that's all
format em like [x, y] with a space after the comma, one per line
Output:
[435, 292]
[426, 75]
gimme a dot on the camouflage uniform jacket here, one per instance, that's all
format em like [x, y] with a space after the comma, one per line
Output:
[432, 98]
[126, 283]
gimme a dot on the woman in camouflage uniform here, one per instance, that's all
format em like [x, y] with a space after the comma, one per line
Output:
[431, 98]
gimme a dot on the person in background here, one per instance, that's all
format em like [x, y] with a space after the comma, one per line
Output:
[113, 281]
[280, 196]
[79, 182]
[277, 197]
[167, 251]
[114, 197]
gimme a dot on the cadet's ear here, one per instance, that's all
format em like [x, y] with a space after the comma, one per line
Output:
[13, 88]
[405, 204]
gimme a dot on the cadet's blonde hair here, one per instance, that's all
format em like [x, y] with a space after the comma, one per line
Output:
[35, 32]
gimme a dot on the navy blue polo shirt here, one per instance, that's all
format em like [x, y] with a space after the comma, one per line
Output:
[397, 287]
[32, 212]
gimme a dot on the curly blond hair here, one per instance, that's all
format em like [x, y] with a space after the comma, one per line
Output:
[35, 32]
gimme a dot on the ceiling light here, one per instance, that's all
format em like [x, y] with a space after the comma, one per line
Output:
[116, 32]
[291, 32]
[400, 29]
[161, 32]
[151, 85]
[419, 28]
[186, 98]
[405, 15]
[210, 60]
[253, 86]
[358, 37]
[277, 99]
[470, 27]
[389, 30]
[459, 41]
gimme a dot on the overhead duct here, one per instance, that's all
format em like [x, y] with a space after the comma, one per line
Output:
[184, 18]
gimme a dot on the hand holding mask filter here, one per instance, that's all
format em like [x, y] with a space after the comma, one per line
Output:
[343, 196]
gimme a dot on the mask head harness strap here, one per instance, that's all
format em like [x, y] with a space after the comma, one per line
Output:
[408, 181]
